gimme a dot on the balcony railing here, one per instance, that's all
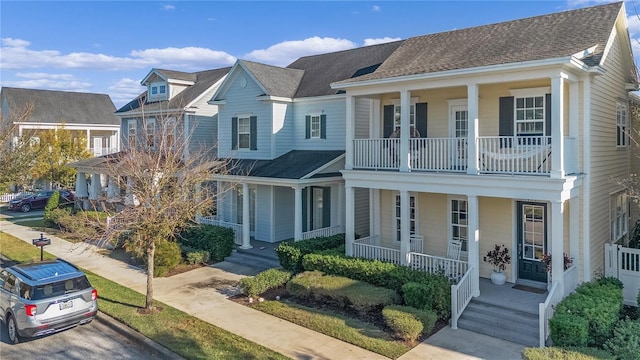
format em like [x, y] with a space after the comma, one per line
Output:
[515, 155]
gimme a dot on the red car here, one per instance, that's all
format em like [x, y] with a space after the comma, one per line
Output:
[39, 200]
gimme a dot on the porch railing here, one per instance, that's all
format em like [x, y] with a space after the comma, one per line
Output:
[461, 294]
[5, 198]
[211, 220]
[530, 155]
[367, 248]
[570, 279]
[438, 154]
[453, 269]
[324, 232]
[376, 153]
[545, 312]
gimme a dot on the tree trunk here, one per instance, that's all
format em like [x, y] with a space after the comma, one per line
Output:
[151, 249]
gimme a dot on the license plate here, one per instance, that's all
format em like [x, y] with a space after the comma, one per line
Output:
[66, 305]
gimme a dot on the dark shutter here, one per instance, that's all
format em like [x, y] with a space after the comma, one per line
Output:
[421, 119]
[326, 207]
[388, 115]
[305, 206]
[547, 115]
[506, 119]
[253, 128]
[323, 126]
[234, 133]
[307, 129]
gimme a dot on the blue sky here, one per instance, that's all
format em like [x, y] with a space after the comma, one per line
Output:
[109, 46]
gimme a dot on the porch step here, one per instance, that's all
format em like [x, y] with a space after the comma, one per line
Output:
[500, 322]
[260, 262]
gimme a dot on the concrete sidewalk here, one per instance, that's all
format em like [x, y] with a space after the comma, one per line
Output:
[204, 293]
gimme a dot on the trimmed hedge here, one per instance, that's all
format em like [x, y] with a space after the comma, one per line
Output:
[428, 296]
[428, 318]
[404, 325]
[52, 204]
[291, 254]
[341, 292]
[569, 330]
[625, 342]
[570, 353]
[269, 279]
[217, 240]
[166, 257]
[197, 257]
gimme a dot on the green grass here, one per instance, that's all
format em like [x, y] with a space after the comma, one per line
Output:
[180, 332]
[353, 331]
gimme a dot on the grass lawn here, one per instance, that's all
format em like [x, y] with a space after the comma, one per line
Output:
[182, 333]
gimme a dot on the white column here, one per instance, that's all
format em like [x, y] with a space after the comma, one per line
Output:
[340, 206]
[375, 120]
[298, 213]
[113, 191]
[472, 130]
[246, 222]
[557, 128]
[96, 187]
[81, 185]
[574, 228]
[574, 122]
[350, 132]
[474, 241]
[405, 243]
[405, 107]
[374, 211]
[130, 198]
[349, 220]
[557, 244]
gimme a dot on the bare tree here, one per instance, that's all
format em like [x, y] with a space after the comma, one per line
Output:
[17, 153]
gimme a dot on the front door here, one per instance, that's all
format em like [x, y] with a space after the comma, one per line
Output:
[532, 241]
[459, 128]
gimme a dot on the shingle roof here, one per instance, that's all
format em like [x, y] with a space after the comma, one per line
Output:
[542, 37]
[295, 164]
[178, 75]
[277, 81]
[62, 106]
[321, 70]
[203, 81]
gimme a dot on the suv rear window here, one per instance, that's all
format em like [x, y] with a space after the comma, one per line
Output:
[54, 289]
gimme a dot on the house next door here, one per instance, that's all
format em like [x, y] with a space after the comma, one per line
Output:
[532, 241]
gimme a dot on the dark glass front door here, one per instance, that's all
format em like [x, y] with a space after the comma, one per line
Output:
[532, 241]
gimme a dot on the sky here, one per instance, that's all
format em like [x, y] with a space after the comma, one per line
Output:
[108, 47]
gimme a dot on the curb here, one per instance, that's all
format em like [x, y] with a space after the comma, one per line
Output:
[135, 336]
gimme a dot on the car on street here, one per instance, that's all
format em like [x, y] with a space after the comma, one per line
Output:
[39, 200]
[45, 297]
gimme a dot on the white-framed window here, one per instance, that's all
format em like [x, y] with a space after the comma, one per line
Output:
[533, 232]
[163, 89]
[154, 90]
[396, 117]
[132, 131]
[315, 127]
[150, 132]
[170, 131]
[622, 122]
[619, 216]
[413, 216]
[459, 222]
[244, 133]
[529, 117]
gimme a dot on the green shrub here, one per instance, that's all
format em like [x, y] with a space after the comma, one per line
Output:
[197, 257]
[428, 318]
[52, 204]
[569, 353]
[56, 217]
[432, 295]
[167, 256]
[266, 280]
[569, 330]
[404, 325]
[609, 280]
[291, 254]
[341, 292]
[625, 342]
[217, 240]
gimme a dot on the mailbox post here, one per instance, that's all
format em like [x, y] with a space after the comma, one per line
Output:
[41, 241]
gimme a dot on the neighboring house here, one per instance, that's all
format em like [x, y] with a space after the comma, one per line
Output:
[88, 115]
[524, 125]
[173, 99]
[283, 131]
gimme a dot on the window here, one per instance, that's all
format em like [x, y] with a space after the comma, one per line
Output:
[622, 120]
[163, 89]
[315, 127]
[533, 232]
[619, 216]
[413, 222]
[154, 90]
[244, 133]
[150, 129]
[244, 130]
[170, 131]
[459, 222]
[131, 129]
[412, 117]
[530, 116]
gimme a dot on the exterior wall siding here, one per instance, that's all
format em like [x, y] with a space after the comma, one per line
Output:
[285, 216]
[362, 118]
[263, 213]
[203, 134]
[361, 207]
[335, 110]
[283, 128]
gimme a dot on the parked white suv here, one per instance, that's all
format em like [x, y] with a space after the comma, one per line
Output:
[45, 297]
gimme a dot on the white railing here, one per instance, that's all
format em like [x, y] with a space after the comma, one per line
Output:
[364, 248]
[376, 153]
[461, 294]
[438, 154]
[211, 220]
[530, 155]
[545, 312]
[624, 263]
[104, 151]
[570, 279]
[453, 269]
[5, 198]
[324, 232]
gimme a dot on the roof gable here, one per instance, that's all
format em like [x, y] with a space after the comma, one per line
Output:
[277, 81]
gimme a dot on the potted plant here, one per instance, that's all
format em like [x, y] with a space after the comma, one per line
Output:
[499, 257]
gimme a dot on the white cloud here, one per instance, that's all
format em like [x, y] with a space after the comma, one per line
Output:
[124, 90]
[286, 52]
[47, 81]
[383, 40]
[375, 8]
[9, 42]
[187, 58]
[41, 75]
[633, 22]
[168, 7]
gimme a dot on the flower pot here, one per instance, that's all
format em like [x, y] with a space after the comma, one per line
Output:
[498, 278]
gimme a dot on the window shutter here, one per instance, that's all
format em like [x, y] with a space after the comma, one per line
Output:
[326, 207]
[547, 115]
[323, 126]
[307, 129]
[253, 128]
[421, 119]
[305, 206]
[388, 114]
[234, 133]
[506, 119]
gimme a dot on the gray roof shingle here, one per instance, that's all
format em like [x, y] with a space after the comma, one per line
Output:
[277, 81]
[295, 164]
[62, 106]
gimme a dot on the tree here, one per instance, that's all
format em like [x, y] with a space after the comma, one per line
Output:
[16, 153]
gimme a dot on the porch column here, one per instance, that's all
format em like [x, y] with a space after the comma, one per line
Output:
[246, 222]
[375, 120]
[405, 109]
[472, 131]
[298, 214]
[113, 191]
[557, 244]
[574, 228]
[349, 219]
[350, 132]
[341, 206]
[96, 187]
[557, 128]
[405, 243]
[81, 185]
[574, 120]
[130, 198]
[473, 242]
[374, 212]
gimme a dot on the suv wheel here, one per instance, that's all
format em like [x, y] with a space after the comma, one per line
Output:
[12, 329]
[25, 207]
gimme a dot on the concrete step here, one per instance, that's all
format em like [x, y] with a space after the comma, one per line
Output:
[254, 260]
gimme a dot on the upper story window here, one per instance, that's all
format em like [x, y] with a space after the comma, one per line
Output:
[619, 216]
[530, 115]
[150, 130]
[244, 132]
[132, 127]
[417, 119]
[622, 122]
[170, 131]
[396, 117]
[316, 127]
[163, 89]
[154, 90]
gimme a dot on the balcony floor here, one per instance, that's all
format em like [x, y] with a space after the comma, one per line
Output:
[506, 296]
